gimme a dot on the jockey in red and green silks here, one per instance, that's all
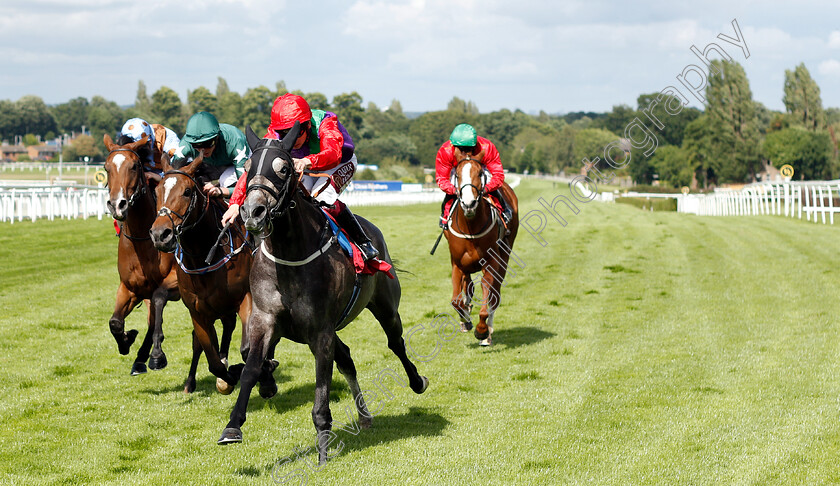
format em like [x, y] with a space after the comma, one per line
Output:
[323, 147]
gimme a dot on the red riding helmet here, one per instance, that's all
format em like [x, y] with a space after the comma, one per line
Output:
[288, 109]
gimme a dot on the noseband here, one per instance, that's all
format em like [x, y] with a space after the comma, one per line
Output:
[283, 199]
[165, 211]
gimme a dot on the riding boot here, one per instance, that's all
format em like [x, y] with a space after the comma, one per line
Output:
[449, 197]
[351, 225]
[507, 212]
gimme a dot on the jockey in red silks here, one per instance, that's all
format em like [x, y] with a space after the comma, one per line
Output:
[323, 146]
[467, 140]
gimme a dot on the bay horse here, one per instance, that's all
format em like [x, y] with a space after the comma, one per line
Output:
[145, 274]
[478, 242]
[303, 287]
[188, 225]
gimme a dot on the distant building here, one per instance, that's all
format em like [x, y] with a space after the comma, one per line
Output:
[10, 153]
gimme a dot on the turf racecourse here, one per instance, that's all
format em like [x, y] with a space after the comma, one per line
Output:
[635, 348]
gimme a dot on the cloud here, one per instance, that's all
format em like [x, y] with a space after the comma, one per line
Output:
[834, 40]
[830, 67]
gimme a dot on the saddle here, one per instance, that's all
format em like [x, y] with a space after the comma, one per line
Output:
[362, 267]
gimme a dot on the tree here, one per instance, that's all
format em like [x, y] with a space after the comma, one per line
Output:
[697, 142]
[256, 108]
[34, 115]
[810, 153]
[348, 107]
[396, 146]
[802, 98]
[201, 99]
[317, 101]
[71, 116]
[734, 131]
[461, 106]
[9, 120]
[221, 88]
[82, 146]
[166, 108]
[617, 119]
[501, 126]
[673, 126]
[230, 109]
[673, 166]
[142, 103]
[431, 129]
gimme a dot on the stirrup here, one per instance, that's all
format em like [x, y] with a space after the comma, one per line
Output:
[369, 252]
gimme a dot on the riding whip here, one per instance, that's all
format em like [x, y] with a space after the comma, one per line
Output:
[436, 243]
[216, 245]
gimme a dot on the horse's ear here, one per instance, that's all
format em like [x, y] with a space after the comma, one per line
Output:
[289, 140]
[165, 162]
[480, 156]
[139, 143]
[251, 137]
[193, 166]
[109, 144]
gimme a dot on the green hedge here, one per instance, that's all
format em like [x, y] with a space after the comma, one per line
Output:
[644, 203]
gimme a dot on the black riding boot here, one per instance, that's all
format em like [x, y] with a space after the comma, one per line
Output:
[507, 212]
[449, 197]
[354, 230]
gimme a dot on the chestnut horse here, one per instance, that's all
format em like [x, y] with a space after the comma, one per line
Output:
[305, 288]
[189, 224]
[478, 242]
[145, 274]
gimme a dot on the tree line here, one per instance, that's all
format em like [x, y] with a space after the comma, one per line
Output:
[727, 142]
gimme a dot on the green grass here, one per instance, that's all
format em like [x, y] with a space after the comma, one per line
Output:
[634, 348]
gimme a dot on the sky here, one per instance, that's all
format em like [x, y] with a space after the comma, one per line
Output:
[557, 56]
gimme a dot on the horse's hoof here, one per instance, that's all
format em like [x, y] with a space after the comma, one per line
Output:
[424, 385]
[268, 391]
[466, 326]
[229, 436]
[365, 422]
[158, 363]
[125, 346]
[224, 387]
[138, 368]
[486, 342]
[482, 335]
[189, 385]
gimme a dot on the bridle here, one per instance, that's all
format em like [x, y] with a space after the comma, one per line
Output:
[194, 197]
[283, 199]
[478, 190]
[139, 187]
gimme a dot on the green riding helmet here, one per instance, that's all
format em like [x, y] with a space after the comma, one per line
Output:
[201, 127]
[464, 135]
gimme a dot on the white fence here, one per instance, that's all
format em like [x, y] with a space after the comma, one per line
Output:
[817, 200]
[51, 202]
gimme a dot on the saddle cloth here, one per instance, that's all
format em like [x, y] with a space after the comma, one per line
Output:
[363, 267]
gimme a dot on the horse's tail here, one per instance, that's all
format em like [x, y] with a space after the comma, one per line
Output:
[394, 264]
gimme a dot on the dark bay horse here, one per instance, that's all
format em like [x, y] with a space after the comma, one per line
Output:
[188, 224]
[478, 242]
[302, 284]
[145, 274]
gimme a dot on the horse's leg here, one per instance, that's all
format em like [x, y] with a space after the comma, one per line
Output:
[206, 334]
[460, 299]
[259, 337]
[139, 365]
[347, 368]
[159, 299]
[126, 301]
[491, 289]
[228, 325]
[324, 351]
[385, 308]
[189, 385]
